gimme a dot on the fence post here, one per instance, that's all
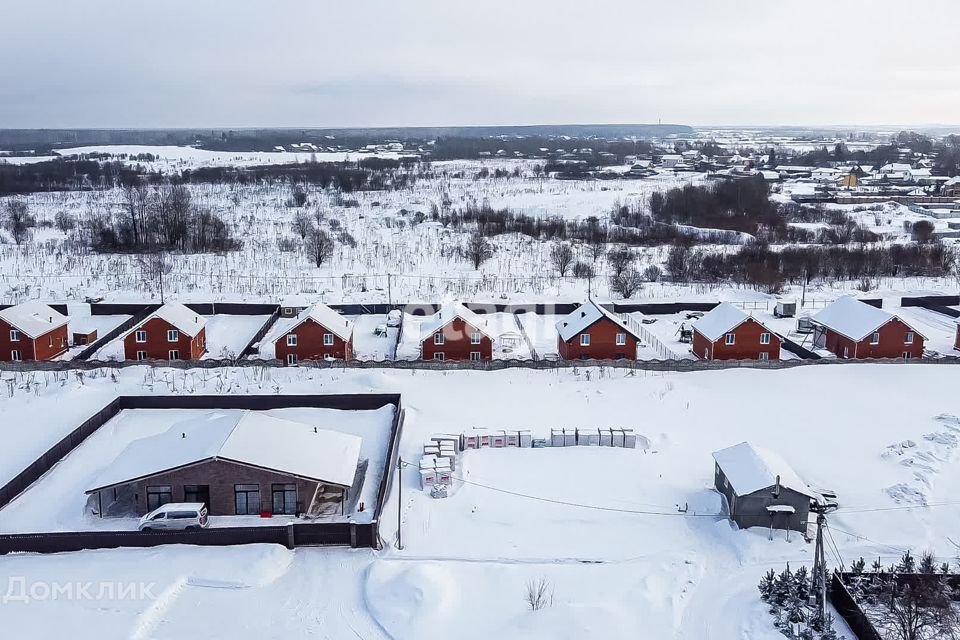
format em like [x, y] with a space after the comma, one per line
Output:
[291, 537]
[353, 534]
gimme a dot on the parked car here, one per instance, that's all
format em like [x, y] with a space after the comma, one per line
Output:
[380, 330]
[394, 318]
[176, 516]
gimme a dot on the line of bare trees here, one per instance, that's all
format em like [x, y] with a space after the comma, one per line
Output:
[156, 218]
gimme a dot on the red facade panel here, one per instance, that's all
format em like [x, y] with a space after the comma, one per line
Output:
[158, 346]
[457, 343]
[44, 347]
[747, 344]
[602, 343]
[895, 340]
[311, 344]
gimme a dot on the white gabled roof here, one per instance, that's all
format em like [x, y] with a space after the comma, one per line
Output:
[33, 318]
[446, 315]
[749, 469]
[854, 319]
[585, 315]
[720, 320]
[249, 437]
[178, 316]
[319, 313]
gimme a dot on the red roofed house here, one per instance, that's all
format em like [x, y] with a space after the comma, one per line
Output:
[455, 333]
[316, 333]
[172, 332]
[32, 331]
[727, 333]
[593, 333]
[850, 328]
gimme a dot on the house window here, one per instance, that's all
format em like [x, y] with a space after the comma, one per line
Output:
[291, 359]
[141, 355]
[141, 336]
[173, 354]
[474, 355]
[246, 498]
[438, 338]
[584, 339]
[875, 338]
[621, 339]
[327, 339]
[15, 355]
[438, 355]
[731, 338]
[159, 495]
[292, 340]
[50, 341]
[764, 338]
[475, 338]
[907, 355]
[14, 335]
[846, 352]
[764, 355]
[908, 339]
[173, 335]
[284, 499]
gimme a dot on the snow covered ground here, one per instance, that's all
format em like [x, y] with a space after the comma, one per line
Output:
[620, 558]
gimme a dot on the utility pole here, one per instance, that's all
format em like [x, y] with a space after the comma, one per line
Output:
[389, 291]
[820, 565]
[399, 502]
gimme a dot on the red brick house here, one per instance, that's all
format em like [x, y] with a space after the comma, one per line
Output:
[316, 333]
[727, 333]
[594, 333]
[32, 331]
[850, 328]
[172, 332]
[455, 333]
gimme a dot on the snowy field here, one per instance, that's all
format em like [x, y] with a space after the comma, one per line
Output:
[620, 558]
[58, 501]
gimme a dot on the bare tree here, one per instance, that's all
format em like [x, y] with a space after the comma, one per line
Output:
[136, 204]
[918, 610]
[627, 283]
[154, 266]
[479, 249]
[18, 220]
[619, 259]
[319, 245]
[922, 231]
[302, 223]
[539, 594]
[561, 257]
[652, 273]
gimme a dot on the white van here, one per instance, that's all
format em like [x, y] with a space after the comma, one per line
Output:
[176, 516]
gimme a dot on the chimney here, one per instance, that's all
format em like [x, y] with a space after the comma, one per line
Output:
[183, 434]
[776, 488]
[315, 430]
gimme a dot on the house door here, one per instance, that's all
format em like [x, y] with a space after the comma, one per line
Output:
[197, 493]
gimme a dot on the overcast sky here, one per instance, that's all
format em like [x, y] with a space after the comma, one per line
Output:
[327, 63]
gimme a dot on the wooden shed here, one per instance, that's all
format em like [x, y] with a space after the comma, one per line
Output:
[761, 490]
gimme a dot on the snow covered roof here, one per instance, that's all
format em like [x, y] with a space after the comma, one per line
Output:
[33, 318]
[177, 315]
[722, 319]
[852, 318]
[584, 316]
[749, 469]
[952, 181]
[446, 315]
[250, 437]
[319, 313]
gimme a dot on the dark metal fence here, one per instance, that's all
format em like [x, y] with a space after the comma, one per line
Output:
[939, 304]
[850, 610]
[108, 337]
[320, 533]
[250, 349]
[798, 350]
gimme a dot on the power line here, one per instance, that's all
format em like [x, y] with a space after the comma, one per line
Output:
[581, 505]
